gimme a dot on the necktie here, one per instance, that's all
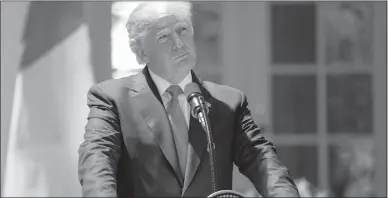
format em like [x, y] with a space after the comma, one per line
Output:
[178, 124]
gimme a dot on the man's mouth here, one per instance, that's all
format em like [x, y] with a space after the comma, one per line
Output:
[181, 56]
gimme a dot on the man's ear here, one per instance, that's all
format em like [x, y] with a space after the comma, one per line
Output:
[142, 56]
[192, 28]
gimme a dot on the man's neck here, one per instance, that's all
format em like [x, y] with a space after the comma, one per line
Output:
[162, 84]
[177, 78]
[174, 79]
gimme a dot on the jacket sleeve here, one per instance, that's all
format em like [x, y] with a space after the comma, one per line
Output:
[256, 158]
[100, 151]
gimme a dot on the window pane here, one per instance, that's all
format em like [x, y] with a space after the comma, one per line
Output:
[348, 32]
[352, 169]
[301, 161]
[293, 33]
[349, 103]
[294, 104]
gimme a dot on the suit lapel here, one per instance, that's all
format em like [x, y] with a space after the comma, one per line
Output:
[150, 105]
[197, 137]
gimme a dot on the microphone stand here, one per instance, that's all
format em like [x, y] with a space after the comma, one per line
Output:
[199, 111]
[211, 148]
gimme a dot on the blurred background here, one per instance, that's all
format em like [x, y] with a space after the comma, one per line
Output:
[314, 74]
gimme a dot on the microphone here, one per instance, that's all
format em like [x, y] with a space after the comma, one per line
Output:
[197, 103]
[199, 111]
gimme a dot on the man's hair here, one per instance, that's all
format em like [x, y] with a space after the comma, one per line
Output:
[144, 16]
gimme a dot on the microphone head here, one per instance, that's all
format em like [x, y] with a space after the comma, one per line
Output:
[191, 89]
[195, 99]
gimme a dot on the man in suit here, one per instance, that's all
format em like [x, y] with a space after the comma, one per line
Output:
[140, 139]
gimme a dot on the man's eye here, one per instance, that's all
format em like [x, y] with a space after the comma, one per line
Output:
[183, 30]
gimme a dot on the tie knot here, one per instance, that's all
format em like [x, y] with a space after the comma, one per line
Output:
[175, 90]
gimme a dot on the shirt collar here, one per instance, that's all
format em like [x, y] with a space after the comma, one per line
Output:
[162, 85]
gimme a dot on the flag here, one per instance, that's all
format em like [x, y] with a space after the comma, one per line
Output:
[12, 19]
[49, 110]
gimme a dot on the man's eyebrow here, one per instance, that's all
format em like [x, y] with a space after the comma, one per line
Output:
[161, 26]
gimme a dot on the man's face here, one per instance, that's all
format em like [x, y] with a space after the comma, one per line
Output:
[169, 47]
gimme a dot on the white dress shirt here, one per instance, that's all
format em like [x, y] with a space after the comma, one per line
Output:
[162, 85]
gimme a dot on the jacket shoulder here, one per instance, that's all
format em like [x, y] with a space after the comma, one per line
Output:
[112, 83]
[229, 95]
[113, 87]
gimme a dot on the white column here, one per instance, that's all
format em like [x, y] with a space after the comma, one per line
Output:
[245, 61]
[245, 50]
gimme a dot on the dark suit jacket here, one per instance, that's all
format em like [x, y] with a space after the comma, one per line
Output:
[128, 149]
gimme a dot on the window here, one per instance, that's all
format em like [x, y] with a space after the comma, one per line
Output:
[321, 86]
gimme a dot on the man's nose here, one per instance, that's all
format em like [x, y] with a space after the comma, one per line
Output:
[177, 42]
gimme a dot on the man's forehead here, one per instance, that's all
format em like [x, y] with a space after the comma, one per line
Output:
[168, 19]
